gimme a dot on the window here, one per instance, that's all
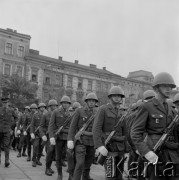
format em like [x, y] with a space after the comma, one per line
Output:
[79, 83]
[34, 75]
[58, 79]
[20, 51]
[69, 82]
[47, 79]
[106, 86]
[8, 49]
[98, 86]
[89, 85]
[7, 69]
[19, 70]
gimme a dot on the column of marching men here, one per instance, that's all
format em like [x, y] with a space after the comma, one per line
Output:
[101, 135]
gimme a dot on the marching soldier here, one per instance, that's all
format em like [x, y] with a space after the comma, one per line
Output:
[6, 115]
[84, 149]
[52, 105]
[107, 117]
[59, 116]
[22, 142]
[34, 133]
[148, 95]
[176, 101]
[152, 118]
[26, 128]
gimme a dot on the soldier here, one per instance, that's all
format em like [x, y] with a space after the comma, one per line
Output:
[20, 123]
[84, 149]
[176, 101]
[52, 105]
[59, 116]
[26, 128]
[6, 115]
[152, 118]
[105, 120]
[34, 133]
[148, 95]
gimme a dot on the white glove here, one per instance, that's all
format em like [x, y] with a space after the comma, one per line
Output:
[52, 141]
[25, 133]
[151, 157]
[137, 152]
[44, 138]
[32, 135]
[103, 150]
[18, 132]
[70, 145]
[96, 153]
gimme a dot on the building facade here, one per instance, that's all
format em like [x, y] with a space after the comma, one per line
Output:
[56, 77]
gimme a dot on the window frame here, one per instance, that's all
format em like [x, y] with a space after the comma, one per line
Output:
[6, 48]
[10, 69]
[22, 69]
[23, 51]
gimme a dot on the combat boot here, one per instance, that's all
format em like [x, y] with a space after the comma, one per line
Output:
[28, 158]
[19, 154]
[38, 162]
[7, 163]
[51, 170]
[24, 154]
[34, 164]
[48, 172]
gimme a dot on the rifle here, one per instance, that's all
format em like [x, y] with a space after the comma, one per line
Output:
[84, 127]
[101, 159]
[163, 139]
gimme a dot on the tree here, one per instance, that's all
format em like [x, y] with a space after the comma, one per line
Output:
[20, 91]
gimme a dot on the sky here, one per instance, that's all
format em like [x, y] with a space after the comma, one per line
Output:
[121, 35]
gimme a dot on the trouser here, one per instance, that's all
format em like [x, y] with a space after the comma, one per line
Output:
[28, 141]
[59, 154]
[133, 158]
[37, 149]
[84, 156]
[113, 168]
[5, 140]
[22, 144]
[50, 153]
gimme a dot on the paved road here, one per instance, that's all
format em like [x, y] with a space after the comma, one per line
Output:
[20, 169]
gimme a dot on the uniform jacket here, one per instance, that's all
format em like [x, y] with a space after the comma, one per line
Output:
[27, 121]
[80, 117]
[6, 116]
[105, 120]
[152, 118]
[20, 122]
[35, 123]
[44, 123]
[57, 120]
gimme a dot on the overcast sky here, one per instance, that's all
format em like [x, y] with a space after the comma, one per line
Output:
[121, 35]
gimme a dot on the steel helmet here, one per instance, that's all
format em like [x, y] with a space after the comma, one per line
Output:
[170, 102]
[41, 105]
[116, 90]
[133, 106]
[76, 105]
[52, 102]
[65, 99]
[33, 106]
[148, 94]
[71, 109]
[27, 107]
[176, 98]
[91, 96]
[139, 102]
[163, 78]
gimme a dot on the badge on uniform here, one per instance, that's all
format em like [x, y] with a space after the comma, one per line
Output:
[157, 121]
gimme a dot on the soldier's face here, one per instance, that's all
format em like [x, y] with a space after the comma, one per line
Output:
[91, 103]
[165, 90]
[116, 99]
[53, 107]
[42, 109]
[65, 105]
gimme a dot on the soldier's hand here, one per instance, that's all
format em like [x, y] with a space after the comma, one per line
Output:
[70, 145]
[44, 138]
[18, 132]
[25, 133]
[52, 141]
[137, 152]
[32, 135]
[151, 157]
[96, 153]
[103, 150]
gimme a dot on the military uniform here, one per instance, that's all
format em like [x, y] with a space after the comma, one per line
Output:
[37, 142]
[6, 115]
[84, 150]
[26, 127]
[105, 120]
[57, 119]
[44, 132]
[22, 142]
[153, 118]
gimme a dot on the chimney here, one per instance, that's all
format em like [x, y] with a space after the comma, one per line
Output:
[104, 68]
[15, 31]
[92, 66]
[60, 58]
[8, 29]
[76, 61]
